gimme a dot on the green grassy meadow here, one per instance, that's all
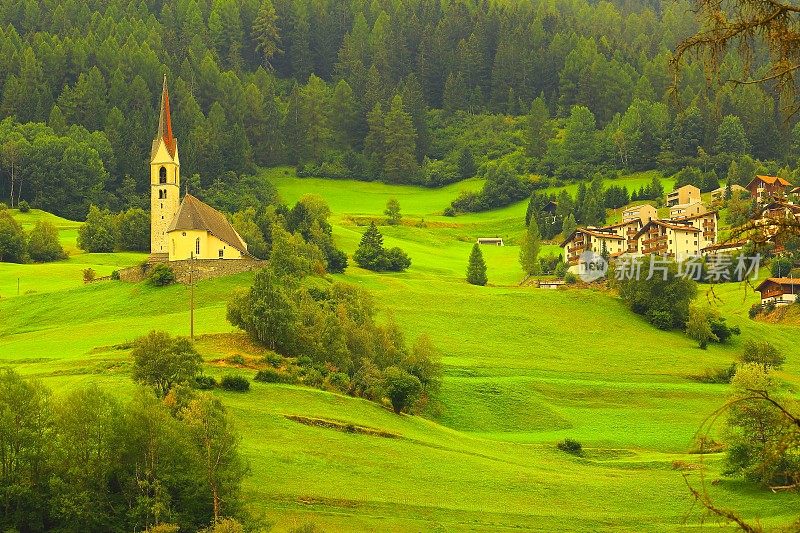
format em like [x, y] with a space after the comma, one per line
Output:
[524, 368]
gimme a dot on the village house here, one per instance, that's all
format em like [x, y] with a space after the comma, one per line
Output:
[667, 238]
[687, 210]
[719, 194]
[595, 240]
[678, 238]
[188, 228]
[645, 213]
[492, 241]
[779, 291]
[683, 195]
[774, 216]
[550, 211]
[763, 188]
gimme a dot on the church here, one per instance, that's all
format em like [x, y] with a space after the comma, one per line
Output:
[184, 228]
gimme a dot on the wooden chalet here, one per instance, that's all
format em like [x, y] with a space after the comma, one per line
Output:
[762, 188]
[780, 291]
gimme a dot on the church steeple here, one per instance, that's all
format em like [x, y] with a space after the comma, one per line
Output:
[165, 121]
[165, 178]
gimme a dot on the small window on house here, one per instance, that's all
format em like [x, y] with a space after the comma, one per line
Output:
[197, 246]
[183, 234]
[165, 193]
[162, 175]
[221, 253]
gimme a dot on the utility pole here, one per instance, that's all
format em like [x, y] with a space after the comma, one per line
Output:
[191, 296]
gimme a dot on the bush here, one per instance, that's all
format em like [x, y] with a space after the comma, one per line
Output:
[133, 227]
[402, 388]
[449, 211]
[754, 311]
[24, 206]
[397, 260]
[161, 275]
[12, 239]
[274, 359]
[720, 376]
[339, 381]
[781, 267]
[570, 446]
[270, 375]
[235, 383]
[304, 361]
[89, 274]
[99, 232]
[204, 382]
[43, 243]
[115, 275]
[237, 360]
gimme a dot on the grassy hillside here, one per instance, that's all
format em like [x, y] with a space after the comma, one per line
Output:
[524, 368]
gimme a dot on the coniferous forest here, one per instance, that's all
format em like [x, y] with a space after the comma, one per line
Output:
[522, 93]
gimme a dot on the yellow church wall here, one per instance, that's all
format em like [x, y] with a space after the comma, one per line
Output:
[182, 244]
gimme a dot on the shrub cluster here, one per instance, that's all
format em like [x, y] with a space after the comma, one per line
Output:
[331, 328]
[235, 383]
[40, 245]
[161, 275]
[373, 256]
[570, 446]
[63, 481]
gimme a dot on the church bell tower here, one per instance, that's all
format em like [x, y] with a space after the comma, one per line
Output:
[165, 180]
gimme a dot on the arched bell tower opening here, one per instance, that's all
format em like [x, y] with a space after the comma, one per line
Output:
[165, 180]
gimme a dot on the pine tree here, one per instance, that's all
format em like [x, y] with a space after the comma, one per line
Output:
[345, 114]
[265, 33]
[370, 252]
[476, 270]
[569, 226]
[537, 130]
[400, 160]
[315, 118]
[466, 163]
[529, 249]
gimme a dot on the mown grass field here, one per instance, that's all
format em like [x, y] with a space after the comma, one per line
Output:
[524, 368]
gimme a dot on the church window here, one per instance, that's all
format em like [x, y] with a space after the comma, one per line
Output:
[165, 194]
[197, 246]
[162, 175]
[221, 254]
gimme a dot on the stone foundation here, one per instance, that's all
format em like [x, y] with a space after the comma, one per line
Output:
[200, 269]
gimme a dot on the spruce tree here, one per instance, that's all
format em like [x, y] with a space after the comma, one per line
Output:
[476, 271]
[370, 253]
[466, 163]
[529, 250]
[265, 32]
[400, 162]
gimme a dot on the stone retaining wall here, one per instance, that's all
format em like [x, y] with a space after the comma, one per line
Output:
[202, 269]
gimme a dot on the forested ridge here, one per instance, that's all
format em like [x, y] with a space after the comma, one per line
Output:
[412, 91]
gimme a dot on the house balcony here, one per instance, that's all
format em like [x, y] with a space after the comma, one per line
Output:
[652, 240]
[654, 250]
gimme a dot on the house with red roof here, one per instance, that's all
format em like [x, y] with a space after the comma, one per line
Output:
[762, 188]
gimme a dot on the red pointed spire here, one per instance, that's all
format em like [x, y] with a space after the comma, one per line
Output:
[165, 121]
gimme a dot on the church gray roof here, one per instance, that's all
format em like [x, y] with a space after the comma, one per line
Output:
[196, 215]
